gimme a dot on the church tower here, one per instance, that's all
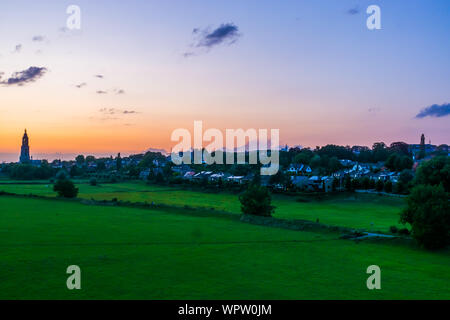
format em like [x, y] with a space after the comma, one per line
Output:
[25, 150]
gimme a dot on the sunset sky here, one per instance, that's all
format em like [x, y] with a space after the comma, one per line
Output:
[137, 70]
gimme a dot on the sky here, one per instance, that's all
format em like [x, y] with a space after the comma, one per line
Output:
[137, 70]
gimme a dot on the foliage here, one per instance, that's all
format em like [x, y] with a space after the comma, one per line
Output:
[428, 212]
[65, 188]
[398, 162]
[435, 172]
[256, 200]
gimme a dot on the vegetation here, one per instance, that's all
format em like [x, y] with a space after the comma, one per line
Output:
[434, 172]
[256, 200]
[164, 246]
[65, 188]
[428, 213]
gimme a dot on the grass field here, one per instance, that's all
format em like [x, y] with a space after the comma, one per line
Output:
[370, 212]
[152, 254]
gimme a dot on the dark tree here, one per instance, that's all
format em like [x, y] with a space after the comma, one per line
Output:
[435, 172]
[80, 159]
[65, 188]
[388, 186]
[256, 200]
[428, 213]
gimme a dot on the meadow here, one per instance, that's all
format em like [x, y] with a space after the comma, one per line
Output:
[131, 253]
[362, 211]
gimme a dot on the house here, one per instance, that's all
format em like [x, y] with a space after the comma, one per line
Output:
[188, 175]
[143, 175]
[216, 177]
[202, 175]
[299, 169]
[300, 182]
[235, 179]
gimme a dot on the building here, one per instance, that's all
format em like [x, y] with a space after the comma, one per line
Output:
[25, 149]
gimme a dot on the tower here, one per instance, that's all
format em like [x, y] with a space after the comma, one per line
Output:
[25, 150]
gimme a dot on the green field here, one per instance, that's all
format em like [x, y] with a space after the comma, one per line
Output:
[129, 253]
[364, 211]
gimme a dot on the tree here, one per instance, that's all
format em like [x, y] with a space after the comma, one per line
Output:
[428, 213]
[435, 172]
[80, 160]
[379, 185]
[303, 157]
[348, 183]
[400, 148]
[315, 162]
[90, 159]
[65, 188]
[379, 151]
[334, 165]
[256, 200]
[388, 186]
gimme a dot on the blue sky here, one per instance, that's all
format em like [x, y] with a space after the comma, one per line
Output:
[309, 68]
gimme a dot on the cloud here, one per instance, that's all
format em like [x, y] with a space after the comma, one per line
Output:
[353, 11]
[119, 91]
[114, 111]
[38, 38]
[101, 92]
[100, 76]
[435, 110]
[81, 85]
[22, 77]
[17, 48]
[226, 33]
[374, 109]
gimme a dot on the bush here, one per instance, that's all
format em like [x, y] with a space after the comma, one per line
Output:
[388, 186]
[256, 200]
[93, 182]
[379, 185]
[65, 188]
[393, 229]
[404, 231]
[428, 213]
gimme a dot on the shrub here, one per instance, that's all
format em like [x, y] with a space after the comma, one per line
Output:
[393, 229]
[93, 182]
[256, 200]
[65, 188]
[379, 185]
[388, 186]
[404, 231]
[428, 214]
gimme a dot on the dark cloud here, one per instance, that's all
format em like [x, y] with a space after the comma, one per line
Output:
[22, 77]
[17, 48]
[101, 92]
[38, 38]
[100, 76]
[435, 110]
[81, 85]
[226, 33]
[353, 11]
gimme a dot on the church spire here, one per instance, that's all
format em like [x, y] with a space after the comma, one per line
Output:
[25, 149]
